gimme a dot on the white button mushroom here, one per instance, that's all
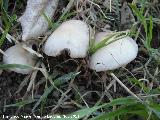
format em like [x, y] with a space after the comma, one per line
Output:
[72, 35]
[33, 21]
[114, 55]
[18, 55]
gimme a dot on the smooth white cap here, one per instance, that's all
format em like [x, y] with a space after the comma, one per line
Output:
[114, 55]
[33, 21]
[72, 35]
[17, 55]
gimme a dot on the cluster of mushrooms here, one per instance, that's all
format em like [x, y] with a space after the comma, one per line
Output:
[71, 35]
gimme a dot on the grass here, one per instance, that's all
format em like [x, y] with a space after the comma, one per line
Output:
[63, 87]
[112, 37]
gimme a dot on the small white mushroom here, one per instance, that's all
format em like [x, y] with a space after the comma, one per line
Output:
[33, 21]
[18, 55]
[114, 55]
[73, 36]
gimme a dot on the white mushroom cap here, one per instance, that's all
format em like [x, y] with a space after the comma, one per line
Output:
[114, 55]
[33, 21]
[17, 55]
[72, 35]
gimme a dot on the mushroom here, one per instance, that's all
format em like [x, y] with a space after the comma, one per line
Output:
[18, 55]
[73, 36]
[34, 22]
[114, 55]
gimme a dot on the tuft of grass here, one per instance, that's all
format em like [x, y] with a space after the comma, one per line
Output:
[147, 22]
[148, 26]
[112, 37]
[7, 20]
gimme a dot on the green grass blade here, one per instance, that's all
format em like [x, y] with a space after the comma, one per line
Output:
[7, 20]
[155, 108]
[10, 66]
[20, 104]
[65, 16]
[150, 34]
[139, 84]
[59, 81]
[5, 4]
[43, 97]
[7, 24]
[88, 111]
[100, 44]
[65, 78]
[48, 20]
[134, 109]
[108, 40]
[79, 114]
